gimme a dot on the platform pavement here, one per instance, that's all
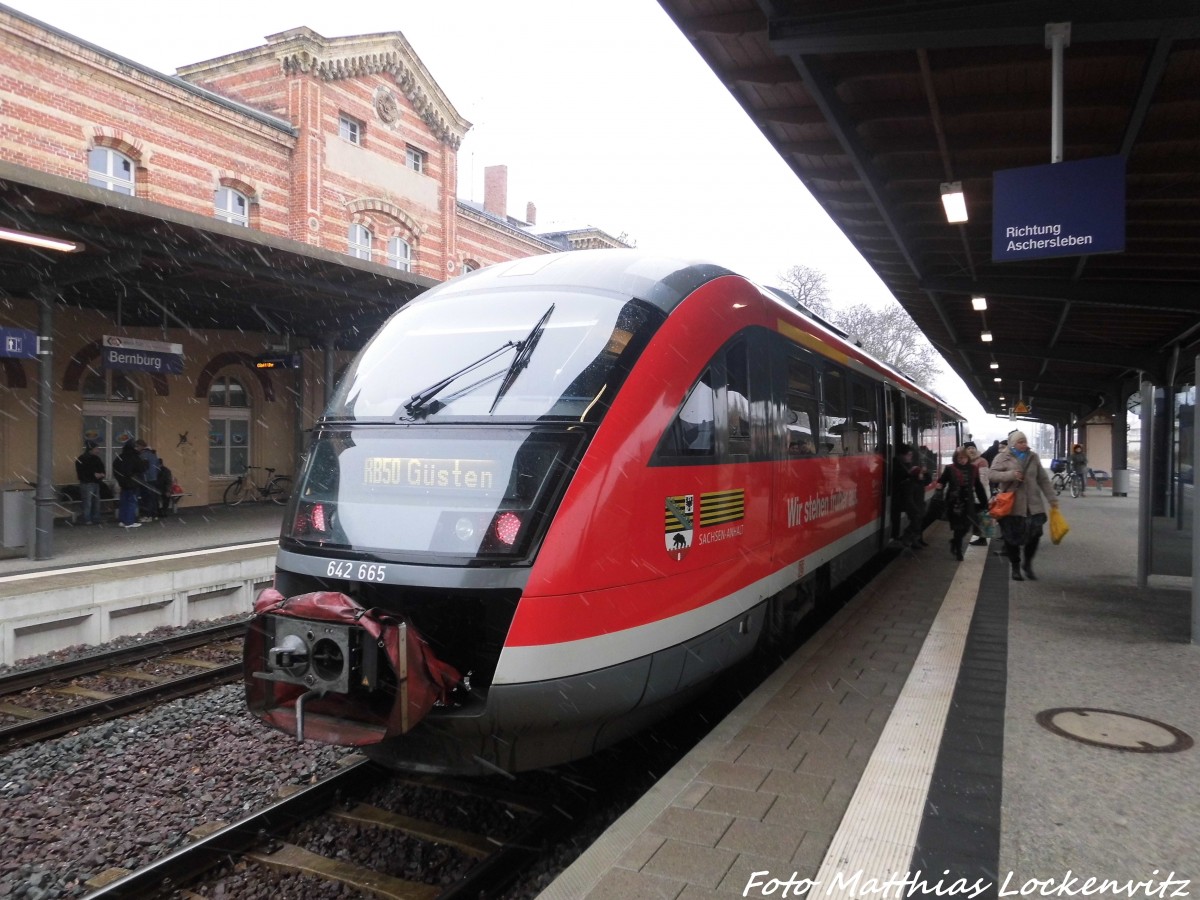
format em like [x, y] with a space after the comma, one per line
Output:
[191, 528]
[1008, 800]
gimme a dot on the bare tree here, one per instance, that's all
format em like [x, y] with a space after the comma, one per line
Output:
[891, 335]
[888, 334]
[809, 287]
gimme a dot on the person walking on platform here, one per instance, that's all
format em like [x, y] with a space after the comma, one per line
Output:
[1020, 470]
[89, 469]
[989, 454]
[127, 468]
[982, 467]
[1078, 461]
[960, 481]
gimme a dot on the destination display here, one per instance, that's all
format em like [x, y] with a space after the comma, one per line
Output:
[415, 472]
[1062, 209]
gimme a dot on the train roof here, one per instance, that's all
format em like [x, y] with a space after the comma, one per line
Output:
[661, 280]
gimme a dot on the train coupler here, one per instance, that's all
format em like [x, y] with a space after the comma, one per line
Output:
[325, 668]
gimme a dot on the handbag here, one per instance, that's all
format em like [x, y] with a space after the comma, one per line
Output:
[1058, 525]
[1001, 505]
[937, 505]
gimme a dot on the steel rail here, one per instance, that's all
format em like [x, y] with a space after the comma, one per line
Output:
[24, 679]
[58, 723]
[188, 863]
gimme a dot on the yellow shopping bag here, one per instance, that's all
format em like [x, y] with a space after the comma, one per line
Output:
[1058, 525]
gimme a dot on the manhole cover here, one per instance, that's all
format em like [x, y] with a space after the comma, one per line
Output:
[1114, 730]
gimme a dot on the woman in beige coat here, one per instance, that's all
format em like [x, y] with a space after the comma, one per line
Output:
[1019, 469]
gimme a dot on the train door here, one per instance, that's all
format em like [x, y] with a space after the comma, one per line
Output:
[896, 413]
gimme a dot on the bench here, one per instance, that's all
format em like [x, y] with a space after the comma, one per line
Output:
[69, 503]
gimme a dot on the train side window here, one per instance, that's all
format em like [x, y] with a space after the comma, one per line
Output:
[737, 397]
[691, 434]
[833, 411]
[801, 414]
[863, 431]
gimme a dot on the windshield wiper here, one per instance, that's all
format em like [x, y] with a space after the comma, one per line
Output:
[420, 398]
[521, 360]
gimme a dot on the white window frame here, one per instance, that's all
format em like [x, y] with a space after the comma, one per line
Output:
[220, 416]
[359, 241]
[414, 158]
[350, 130]
[110, 177]
[225, 202]
[399, 254]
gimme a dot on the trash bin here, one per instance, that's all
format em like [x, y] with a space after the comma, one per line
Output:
[1120, 481]
[16, 517]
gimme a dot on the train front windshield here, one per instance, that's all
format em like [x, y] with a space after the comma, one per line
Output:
[493, 355]
[456, 429]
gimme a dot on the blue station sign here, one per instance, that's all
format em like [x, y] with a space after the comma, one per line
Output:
[1063, 209]
[18, 343]
[136, 355]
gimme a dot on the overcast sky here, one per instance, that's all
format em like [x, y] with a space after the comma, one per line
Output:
[604, 114]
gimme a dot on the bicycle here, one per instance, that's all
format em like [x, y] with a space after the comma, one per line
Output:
[1067, 481]
[277, 489]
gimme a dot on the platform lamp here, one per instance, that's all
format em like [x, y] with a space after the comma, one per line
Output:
[39, 240]
[954, 202]
[979, 303]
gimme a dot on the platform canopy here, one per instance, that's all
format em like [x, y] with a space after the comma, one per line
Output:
[876, 105]
[143, 263]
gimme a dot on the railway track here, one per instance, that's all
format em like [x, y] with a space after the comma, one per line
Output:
[48, 701]
[262, 839]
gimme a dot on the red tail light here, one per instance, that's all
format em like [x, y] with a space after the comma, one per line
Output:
[311, 518]
[507, 527]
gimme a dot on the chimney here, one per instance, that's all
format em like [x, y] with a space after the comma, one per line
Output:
[530, 214]
[495, 191]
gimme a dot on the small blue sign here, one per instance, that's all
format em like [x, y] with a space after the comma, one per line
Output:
[142, 360]
[1062, 209]
[19, 343]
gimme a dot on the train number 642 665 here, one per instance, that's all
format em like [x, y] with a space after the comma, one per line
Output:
[363, 572]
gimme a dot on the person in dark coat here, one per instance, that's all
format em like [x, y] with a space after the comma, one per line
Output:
[127, 469]
[89, 469]
[964, 495]
[1078, 461]
[908, 495]
[981, 465]
[990, 453]
[148, 492]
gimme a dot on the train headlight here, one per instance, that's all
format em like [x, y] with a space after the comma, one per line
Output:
[464, 529]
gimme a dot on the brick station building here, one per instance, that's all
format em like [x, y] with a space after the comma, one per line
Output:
[332, 154]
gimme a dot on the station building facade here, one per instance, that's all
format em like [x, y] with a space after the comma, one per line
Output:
[346, 144]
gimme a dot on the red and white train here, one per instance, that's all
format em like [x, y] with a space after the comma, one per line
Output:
[555, 497]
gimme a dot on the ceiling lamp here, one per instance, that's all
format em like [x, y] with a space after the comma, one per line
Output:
[997, 379]
[985, 336]
[954, 201]
[38, 240]
[994, 365]
[979, 303]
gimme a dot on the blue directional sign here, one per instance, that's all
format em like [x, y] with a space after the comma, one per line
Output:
[20, 343]
[1062, 209]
